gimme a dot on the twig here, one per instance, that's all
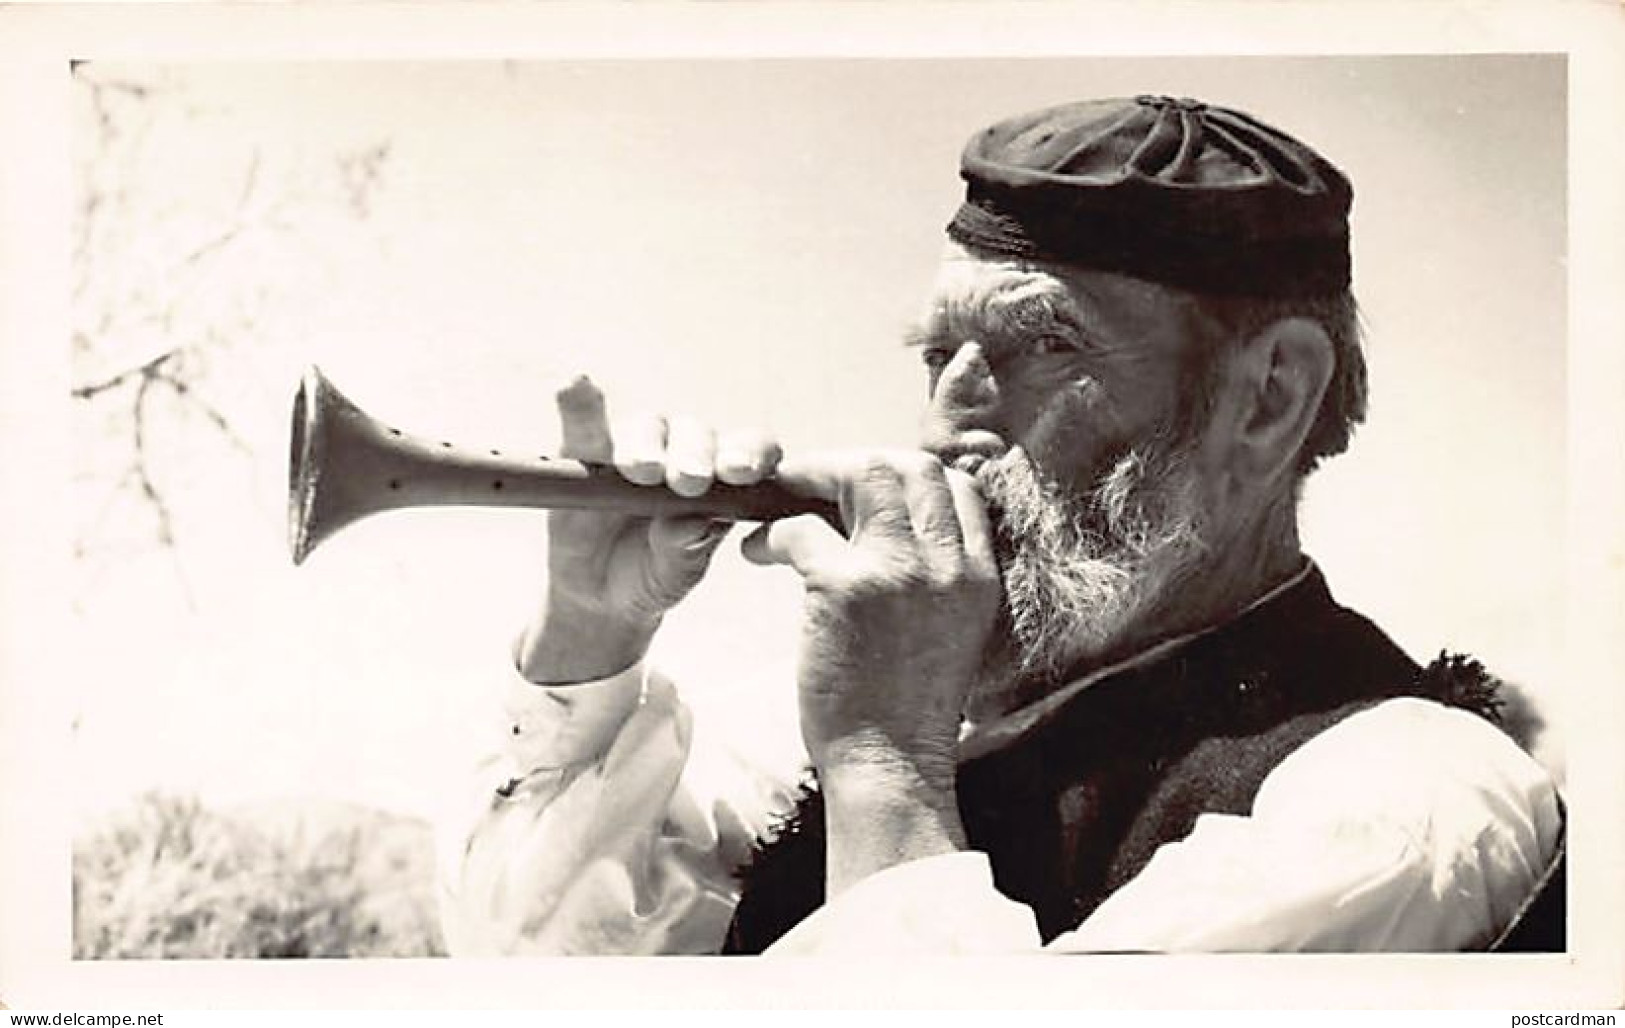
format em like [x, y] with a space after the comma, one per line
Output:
[205, 249]
[208, 410]
[250, 179]
[143, 371]
[149, 489]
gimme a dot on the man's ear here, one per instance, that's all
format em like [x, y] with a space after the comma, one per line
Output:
[1278, 380]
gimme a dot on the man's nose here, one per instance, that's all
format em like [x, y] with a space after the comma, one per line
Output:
[963, 416]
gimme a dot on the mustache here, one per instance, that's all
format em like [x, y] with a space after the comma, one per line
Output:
[1081, 566]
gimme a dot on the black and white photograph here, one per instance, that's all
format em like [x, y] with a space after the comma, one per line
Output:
[1087, 507]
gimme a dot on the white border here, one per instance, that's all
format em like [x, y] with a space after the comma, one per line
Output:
[35, 45]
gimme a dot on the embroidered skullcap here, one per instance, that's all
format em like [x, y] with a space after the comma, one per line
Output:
[1171, 190]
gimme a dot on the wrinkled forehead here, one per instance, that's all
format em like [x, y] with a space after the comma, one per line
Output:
[972, 296]
[968, 294]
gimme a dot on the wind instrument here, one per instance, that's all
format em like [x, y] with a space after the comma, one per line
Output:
[345, 464]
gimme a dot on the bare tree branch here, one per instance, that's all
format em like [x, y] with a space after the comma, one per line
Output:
[141, 371]
[190, 395]
[166, 531]
[166, 283]
[210, 247]
[249, 180]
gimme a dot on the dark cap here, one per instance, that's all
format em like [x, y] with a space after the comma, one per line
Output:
[1171, 190]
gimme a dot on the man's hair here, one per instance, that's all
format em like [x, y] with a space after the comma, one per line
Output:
[1232, 320]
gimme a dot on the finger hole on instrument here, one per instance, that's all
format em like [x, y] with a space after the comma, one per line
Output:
[640, 449]
[583, 423]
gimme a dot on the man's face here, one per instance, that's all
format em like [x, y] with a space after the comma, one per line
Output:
[1060, 390]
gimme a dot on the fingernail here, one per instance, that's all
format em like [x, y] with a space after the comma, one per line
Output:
[644, 472]
[688, 483]
[580, 387]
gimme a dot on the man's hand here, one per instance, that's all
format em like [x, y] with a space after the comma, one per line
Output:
[897, 617]
[611, 577]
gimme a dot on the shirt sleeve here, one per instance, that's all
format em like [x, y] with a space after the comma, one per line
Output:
[585, 834]
[1407, 827]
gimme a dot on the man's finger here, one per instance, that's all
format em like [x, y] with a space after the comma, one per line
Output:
[583, 422]
[640, 449]
[822, 475]
[867, 486]
[744, 458]
[931, 504]
[966, 386]
[691, 453]
[961, 419]
[819, 475]
[876, 499]
[805, 542]
[975, 528]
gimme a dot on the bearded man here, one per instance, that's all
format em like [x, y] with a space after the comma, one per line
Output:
[1066, 677]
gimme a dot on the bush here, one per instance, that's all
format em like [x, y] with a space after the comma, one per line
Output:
[171, 878]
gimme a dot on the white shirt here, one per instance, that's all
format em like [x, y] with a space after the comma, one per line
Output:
[1408, 826]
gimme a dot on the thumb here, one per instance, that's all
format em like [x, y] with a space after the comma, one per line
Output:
[691, 537]
[679, 551]
[806, 542]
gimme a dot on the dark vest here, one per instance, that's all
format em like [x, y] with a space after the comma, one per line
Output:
[1075, 806]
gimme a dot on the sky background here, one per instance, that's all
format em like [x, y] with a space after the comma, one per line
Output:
[741, 240]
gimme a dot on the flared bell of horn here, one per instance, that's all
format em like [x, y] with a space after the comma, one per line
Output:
[345, 464]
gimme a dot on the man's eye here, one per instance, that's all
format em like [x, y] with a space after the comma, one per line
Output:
[1053, 343]
[935, 357]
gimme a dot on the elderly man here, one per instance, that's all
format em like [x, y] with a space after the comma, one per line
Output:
[1066, 677]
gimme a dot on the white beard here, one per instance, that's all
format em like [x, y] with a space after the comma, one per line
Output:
[1083, 572]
